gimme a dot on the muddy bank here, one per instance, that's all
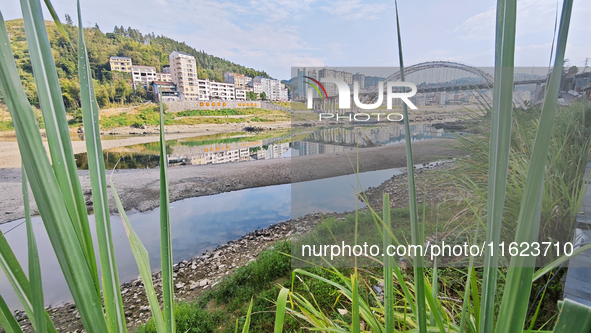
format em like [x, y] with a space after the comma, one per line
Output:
[139, 188]
[194, 276]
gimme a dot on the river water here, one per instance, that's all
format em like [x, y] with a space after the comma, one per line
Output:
[197, 224]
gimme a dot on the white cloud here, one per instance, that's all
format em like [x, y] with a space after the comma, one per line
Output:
[532, 16]
[354, 10]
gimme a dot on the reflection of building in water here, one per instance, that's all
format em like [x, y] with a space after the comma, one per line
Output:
[339, 139]
[226, 152]
[315, 148]
[272, 151]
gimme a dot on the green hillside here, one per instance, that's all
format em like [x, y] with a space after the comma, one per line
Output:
[111, 87]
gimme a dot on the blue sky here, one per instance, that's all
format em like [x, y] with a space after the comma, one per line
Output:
[275, 35]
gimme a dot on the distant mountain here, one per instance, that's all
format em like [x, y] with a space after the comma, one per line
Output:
[111, 87]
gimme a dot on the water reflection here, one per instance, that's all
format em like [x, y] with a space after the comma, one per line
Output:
[242, 147]
[331, 140]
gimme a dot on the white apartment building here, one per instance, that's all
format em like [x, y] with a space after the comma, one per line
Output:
[221, 90]
[163, 77]
[254, 86]
[240, 95]
[183, 70]
[143, 75]
[273, 88]
[331, 88]
[207, 90]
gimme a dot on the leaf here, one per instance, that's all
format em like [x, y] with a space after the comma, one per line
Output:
[520, 273]
[165, 235]
[143, 263]
[47, 194]
[419, 275]
[499, 146]
[247, 322]
[36, 282]
[573, 318]
[7, 320]
[280, 311]
[56, 127]
[389, 318]
[98, 183]
[56, 20]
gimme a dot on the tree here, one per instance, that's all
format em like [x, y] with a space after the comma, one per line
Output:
[573, 70]
[69, 20]
[263, 96]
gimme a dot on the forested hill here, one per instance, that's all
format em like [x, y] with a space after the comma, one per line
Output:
[148, 50]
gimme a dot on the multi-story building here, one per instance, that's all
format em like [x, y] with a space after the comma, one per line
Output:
[240, 94]
[221, 90]
[164, 77]
[255, 87]
[203, 89]
[273, 88]
[167, 90]
[143, 75]
[207, 90]
[183, 70]
[238, 80]
[121, 64]
[361, 79]
[331, 88]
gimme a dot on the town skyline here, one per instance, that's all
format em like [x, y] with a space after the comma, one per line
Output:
[275, 35]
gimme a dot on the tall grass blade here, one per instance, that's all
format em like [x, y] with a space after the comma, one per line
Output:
[355, 325]
[21, 286]
[56, 20]
[96, 166]
[247, 322]
[280, 311]
[36, 282]
[419, 275]
[48, 196]
[165, 236]
[573, 318]
[520, 274]
[56, 127]
[388, 269]
[543, 271]
[7, 321]
[465, 313]
[143, 263]
[499, 146]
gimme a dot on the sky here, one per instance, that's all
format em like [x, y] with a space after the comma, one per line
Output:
[275, 35]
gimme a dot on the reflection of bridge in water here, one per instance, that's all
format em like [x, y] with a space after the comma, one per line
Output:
[332, 140]
[431, 77]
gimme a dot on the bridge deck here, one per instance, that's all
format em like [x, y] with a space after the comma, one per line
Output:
[578, 278]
